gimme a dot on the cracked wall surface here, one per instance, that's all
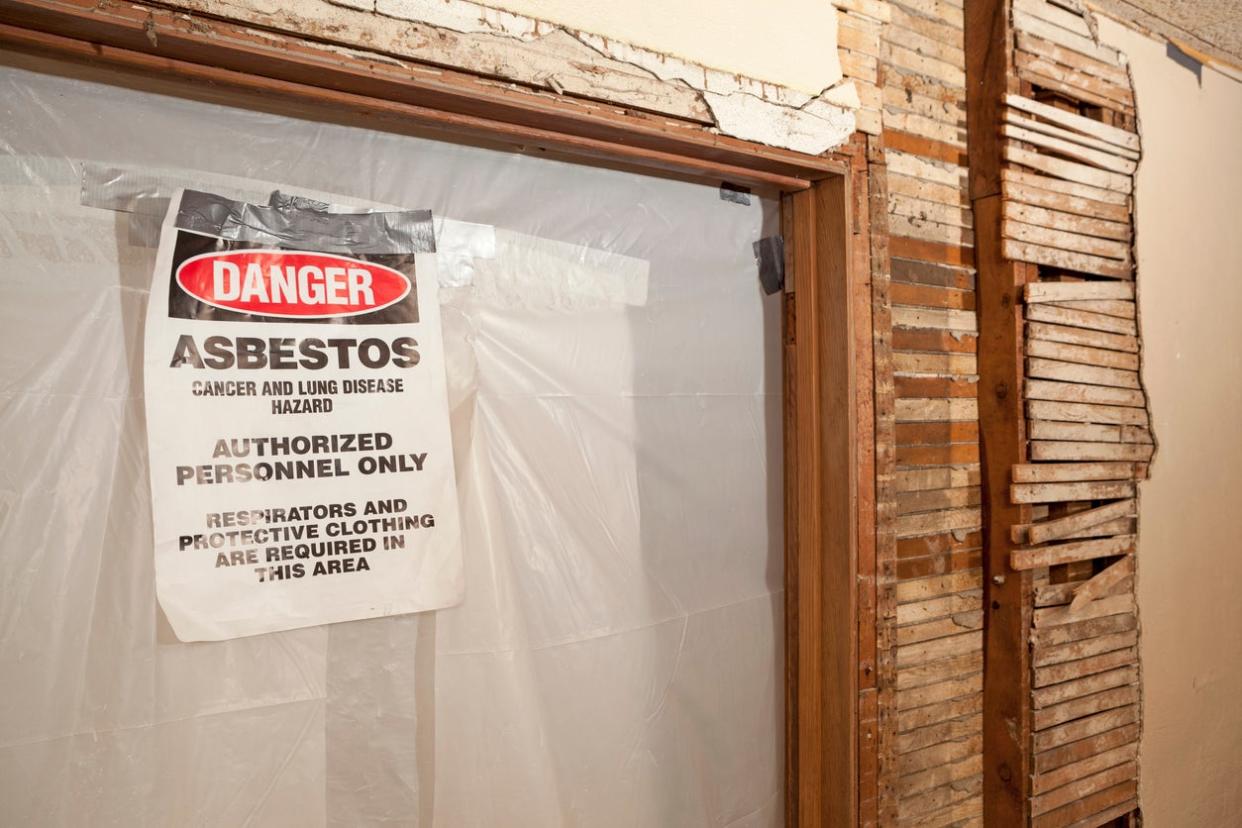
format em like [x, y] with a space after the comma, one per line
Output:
[596, 65]
[754, 39]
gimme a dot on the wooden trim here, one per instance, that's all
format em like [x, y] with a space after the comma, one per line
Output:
[156, 41]
[821, 562]
[867, 460]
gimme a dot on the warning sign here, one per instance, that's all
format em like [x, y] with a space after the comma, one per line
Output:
[297, 418]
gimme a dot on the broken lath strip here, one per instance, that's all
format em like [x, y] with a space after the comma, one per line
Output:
[1071, 143]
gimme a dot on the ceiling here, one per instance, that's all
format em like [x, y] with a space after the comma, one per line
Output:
[1212, 26]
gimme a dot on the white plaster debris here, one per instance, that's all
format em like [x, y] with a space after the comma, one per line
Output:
[464, 17]
[815, 127]
[749, 108]
[484, 40]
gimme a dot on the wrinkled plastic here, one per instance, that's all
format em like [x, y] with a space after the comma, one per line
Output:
[614, 377]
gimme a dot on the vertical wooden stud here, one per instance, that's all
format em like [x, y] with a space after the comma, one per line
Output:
[1007, 593]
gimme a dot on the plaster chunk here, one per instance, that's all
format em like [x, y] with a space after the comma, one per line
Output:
[814, 128]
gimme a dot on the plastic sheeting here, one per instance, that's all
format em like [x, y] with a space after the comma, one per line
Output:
[614, 377]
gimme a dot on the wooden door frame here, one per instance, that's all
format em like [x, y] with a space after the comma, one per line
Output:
[824, 465]
[823, 476]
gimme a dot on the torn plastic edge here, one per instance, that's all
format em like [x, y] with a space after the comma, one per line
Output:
[770, 254]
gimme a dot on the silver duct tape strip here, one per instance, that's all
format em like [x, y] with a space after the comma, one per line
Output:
[770, 255]
[147, 191]
[144, 196]
[458, 243]
[125, 191]
[288, 201]
[735, 193]
[407, 231]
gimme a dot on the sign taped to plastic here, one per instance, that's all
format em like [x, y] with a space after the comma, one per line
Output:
[297, 418]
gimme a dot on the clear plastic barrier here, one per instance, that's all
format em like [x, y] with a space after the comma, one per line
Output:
[614, 376]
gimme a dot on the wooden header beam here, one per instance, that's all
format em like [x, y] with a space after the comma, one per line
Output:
[159, 42]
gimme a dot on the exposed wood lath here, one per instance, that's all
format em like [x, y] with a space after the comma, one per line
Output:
[1057, 182]
[1084, 701]
[907, 60]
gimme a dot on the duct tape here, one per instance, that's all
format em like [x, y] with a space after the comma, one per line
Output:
[125, 191]
[735, 193]
[405, 231]
[770, 254]
[457, 243]
[243, 213]
[145, 194]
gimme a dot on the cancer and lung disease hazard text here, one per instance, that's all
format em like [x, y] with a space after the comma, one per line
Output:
[300, 452]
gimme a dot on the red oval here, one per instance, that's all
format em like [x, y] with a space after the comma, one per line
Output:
[291, 283]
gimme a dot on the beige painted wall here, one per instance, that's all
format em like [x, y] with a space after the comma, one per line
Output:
[1190, 563]
[786, 42]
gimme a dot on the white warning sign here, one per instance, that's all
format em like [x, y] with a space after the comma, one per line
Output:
[300, 453]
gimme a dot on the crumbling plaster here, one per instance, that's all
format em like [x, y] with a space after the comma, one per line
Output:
[497, 43]
[780, 41]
